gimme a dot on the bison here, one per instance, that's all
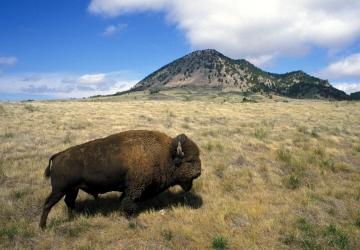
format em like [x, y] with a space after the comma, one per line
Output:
[138, 163]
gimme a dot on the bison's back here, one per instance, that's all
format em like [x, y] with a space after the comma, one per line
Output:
[105, 164]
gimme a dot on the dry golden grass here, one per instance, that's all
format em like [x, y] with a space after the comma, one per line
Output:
[276, 175]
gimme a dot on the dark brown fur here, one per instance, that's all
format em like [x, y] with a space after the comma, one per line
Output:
[138, 163]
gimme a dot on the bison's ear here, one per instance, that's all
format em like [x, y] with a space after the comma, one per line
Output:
[177, 148]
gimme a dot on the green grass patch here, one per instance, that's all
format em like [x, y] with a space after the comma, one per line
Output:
[284, 155]
[293, 182]
[8, 231]
[211, 146]
[260, 133]
[310, 236]
[357, 221]
[19, 194]
[357, 148]
[220, 243]
[132, 225]
[167, 235]
[336, 237]
[17, 229]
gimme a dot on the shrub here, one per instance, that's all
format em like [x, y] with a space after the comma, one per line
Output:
[219, 243]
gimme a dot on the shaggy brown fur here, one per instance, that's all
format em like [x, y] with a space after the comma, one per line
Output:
[138, 163]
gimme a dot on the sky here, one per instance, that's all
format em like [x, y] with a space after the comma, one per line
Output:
[79, 48]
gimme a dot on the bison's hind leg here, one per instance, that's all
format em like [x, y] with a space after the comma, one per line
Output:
[50, 201]
[70, 198]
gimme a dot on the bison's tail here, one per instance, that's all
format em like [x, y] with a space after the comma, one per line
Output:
[48, 168]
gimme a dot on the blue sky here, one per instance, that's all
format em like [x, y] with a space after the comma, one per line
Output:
[77, 48]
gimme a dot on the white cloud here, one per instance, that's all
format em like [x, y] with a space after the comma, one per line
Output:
[256, 29]
[67, 85]
[94, 79]
[348, 87]
[260, 60]
[346, 67]
[8, 61]
[113, 29]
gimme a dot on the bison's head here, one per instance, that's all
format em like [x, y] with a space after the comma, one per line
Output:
[185, 154]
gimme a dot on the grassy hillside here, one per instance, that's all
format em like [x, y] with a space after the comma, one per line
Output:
[277, 174]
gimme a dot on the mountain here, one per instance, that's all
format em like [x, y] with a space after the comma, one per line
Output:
[355, 96]
[209, 68]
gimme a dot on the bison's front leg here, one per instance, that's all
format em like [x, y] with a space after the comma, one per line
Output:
[129, 206]
[130, 198]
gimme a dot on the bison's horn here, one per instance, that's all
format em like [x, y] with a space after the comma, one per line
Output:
[179, 150]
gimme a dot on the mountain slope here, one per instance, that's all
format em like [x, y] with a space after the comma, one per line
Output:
[212, 69]
[355, 96]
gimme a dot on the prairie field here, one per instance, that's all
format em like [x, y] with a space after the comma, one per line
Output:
[276, 174]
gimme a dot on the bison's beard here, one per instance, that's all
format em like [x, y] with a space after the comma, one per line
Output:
[186, 186]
